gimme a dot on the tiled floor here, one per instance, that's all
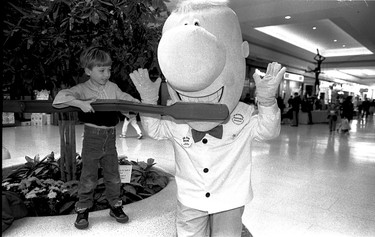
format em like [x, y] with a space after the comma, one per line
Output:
[307, 182]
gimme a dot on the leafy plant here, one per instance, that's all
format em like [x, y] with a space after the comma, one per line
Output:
[47, 168]
[45, 196]
[145, 180]
[42, 40]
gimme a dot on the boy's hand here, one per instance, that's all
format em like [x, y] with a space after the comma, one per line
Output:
[85, 106]
[148, 90]
[266, 87]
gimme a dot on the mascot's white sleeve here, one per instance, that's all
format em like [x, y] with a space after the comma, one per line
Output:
[156, 126]
[267, 125]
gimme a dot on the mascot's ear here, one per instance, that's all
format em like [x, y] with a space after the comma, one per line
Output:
[245, 49]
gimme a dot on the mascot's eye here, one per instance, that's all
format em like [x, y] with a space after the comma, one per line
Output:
[196, 23]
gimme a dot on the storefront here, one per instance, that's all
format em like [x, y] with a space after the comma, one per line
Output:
[325, 92]
[290, 84]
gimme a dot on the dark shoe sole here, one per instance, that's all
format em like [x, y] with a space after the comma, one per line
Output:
[81, 226]
[120, 220]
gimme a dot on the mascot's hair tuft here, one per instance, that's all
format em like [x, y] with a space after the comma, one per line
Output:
[184, 6]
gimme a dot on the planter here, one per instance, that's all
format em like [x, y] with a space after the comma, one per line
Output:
[44, 195]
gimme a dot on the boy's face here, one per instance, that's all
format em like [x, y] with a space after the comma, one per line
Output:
[99, 75]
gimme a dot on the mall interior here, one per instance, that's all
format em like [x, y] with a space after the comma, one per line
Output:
[309, 181]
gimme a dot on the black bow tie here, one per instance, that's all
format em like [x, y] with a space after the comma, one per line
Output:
[215, 132]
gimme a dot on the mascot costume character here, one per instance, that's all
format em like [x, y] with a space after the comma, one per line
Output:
[202, 56]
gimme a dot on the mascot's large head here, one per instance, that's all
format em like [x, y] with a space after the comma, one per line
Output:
[202, 56]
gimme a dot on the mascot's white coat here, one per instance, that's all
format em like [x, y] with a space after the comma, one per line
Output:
[202, 55]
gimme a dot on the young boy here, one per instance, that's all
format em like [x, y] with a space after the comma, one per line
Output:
[99, 142]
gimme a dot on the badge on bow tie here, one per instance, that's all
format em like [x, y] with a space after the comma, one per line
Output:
[215, 132]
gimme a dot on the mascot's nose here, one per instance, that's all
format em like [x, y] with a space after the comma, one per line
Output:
[190, 57]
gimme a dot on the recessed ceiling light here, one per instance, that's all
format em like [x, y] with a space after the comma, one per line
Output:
[343, 45]
[288, 17]
[314, 28]
[334, 40]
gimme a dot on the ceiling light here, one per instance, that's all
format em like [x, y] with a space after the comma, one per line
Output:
[288, 17]
[314, 28]
[334, 40]
[290, 37]
[345, 52]
[298, 35]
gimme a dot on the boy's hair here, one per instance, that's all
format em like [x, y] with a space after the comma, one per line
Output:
[95, 56]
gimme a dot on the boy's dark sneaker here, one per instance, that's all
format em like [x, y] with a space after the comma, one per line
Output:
[119, 214]
[82, 219]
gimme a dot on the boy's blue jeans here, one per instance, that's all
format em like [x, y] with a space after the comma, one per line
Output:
[99, 147]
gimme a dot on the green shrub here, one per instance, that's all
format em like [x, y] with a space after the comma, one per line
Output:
[44, 195]
[42, 40]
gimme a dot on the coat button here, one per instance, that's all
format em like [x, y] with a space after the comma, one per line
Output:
[205, 170]
[204, 140]
[208, 194]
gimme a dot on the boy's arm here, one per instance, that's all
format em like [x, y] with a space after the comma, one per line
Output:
[84, 105]
[124, 96]
[72, 97]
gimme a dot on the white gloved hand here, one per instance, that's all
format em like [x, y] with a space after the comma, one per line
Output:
[148, 90]
[266, 87]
